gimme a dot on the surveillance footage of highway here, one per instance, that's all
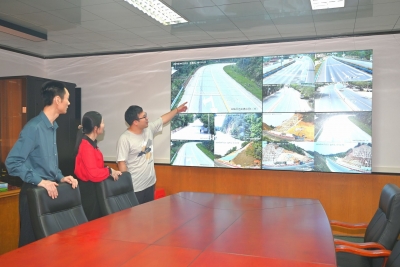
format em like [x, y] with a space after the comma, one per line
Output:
[301, 112]
[211, 89]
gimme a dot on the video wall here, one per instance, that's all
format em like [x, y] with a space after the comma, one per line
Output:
[301, 112]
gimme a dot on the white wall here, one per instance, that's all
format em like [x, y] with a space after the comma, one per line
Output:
[110, 84]
[14, 64]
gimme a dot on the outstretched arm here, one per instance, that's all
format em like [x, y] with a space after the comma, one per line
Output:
[167, 117]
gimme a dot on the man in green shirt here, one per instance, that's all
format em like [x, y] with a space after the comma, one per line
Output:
[34, 157]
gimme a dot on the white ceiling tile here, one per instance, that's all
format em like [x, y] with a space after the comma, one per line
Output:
[355, 3]
[376, 21]
[149, 31]
[304, 34]
[138, 48]
[331, 32]
[386, 9]
[260, 30]
[134, 21]
[99, 25]
[365, 11]
[230, 40]
[90, 37]
[139, 41]
[329, 25]
[335, 14]
[74, 29]
[119, 34]
[182, 34]
[184, 28]
[74, 15]
[16, 8]
[226, 2]
[162, 39]
[380, 1]
[278, 6]
[40, 18]
[111, 44]
[174, 44]
[202, 42]
[85, 46]
[60, 26]
[218, 25]
[365, 2]
[68, 50]
[109, 10]
[202, 13]
[264, 37]
[237, 10]
[65, 39]
[199, 37]
[252, 21]
[50, 45]
[183, 4]
[306, 27]
[47, 5]
[292, 20]
[227, 34]
[375, 28]
[88, 2]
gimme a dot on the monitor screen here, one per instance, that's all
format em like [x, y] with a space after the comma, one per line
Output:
[304, 112]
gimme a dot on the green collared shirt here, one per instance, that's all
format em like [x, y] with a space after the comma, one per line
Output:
[34, 156]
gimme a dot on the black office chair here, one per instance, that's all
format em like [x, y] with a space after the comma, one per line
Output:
[49, 216]
[390, 258]
[117, 195]
[381, 232]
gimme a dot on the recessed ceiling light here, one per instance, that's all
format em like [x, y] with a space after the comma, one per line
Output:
[158, 11]
[325, 4]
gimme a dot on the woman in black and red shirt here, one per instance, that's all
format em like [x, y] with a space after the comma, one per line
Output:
[89, 163]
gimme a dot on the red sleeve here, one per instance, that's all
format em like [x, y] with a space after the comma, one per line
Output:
[92, 164]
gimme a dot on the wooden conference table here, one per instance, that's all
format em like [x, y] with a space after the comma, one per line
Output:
[193, 229]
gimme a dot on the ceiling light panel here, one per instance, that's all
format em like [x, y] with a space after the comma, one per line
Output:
[158, 11]
[326, 4]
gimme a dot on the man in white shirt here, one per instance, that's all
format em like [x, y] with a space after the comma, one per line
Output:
[135, 149]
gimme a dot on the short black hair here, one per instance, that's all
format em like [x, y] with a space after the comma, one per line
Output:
[52, 89]
[131, 114]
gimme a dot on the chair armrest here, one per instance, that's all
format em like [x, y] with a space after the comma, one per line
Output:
[367, 245]
[349, 225]
[363, 252]
[366, 253]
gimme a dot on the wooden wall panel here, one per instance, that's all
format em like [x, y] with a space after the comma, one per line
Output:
[9, 220]
[345, 197]
[10, 114]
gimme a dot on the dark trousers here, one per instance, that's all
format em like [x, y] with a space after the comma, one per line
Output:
[89, 200]
[146, 195]
[26, 234]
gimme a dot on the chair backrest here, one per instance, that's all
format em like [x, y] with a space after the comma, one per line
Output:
[49, 216]
[394, 258]
[117, 195]
[385, 225]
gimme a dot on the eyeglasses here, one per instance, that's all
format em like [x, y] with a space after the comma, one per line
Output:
[144, 117]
